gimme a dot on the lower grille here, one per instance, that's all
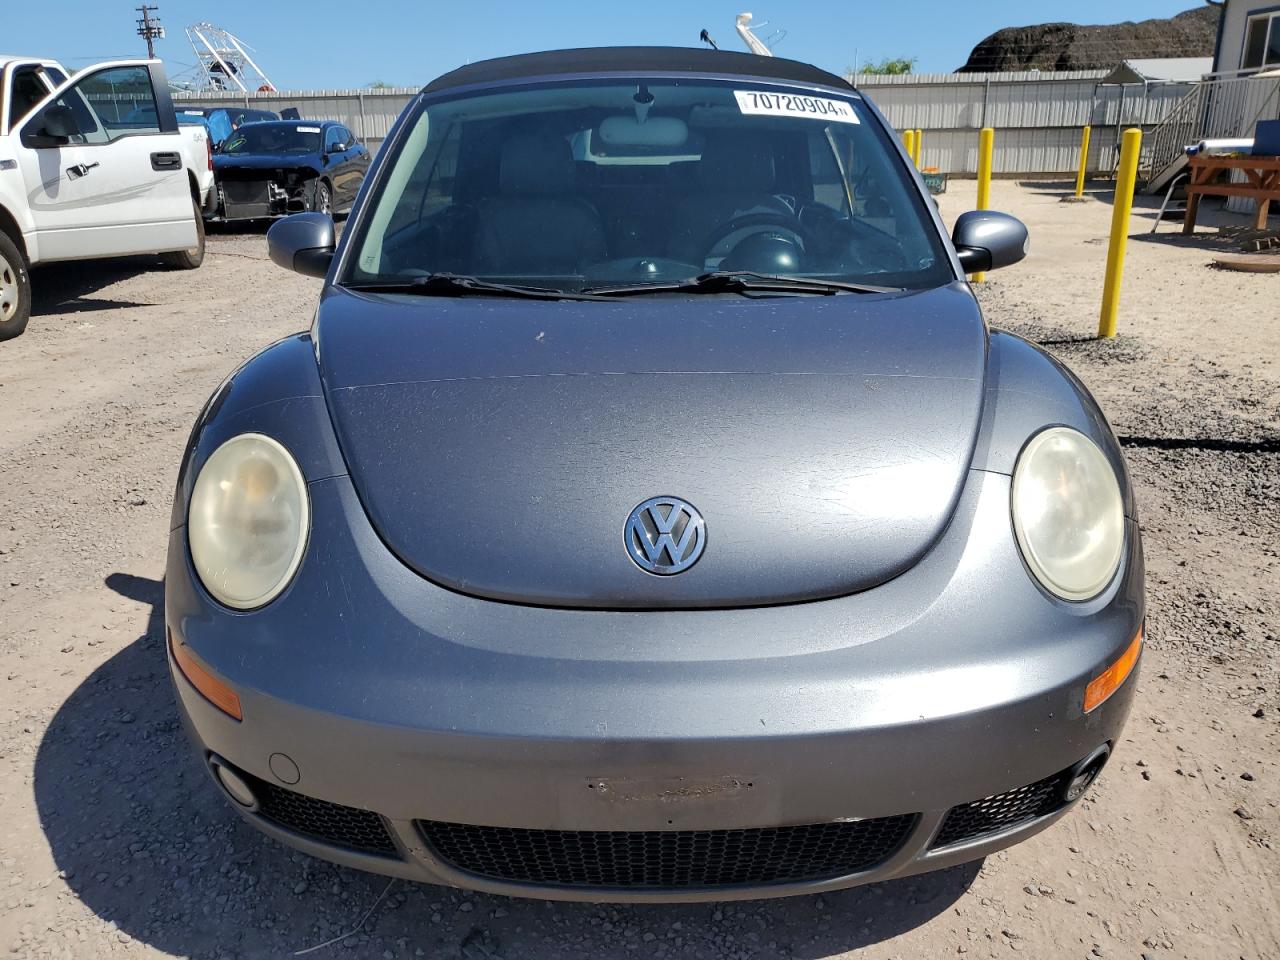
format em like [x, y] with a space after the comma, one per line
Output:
[669, 859]
[245, 191]
[330, 823]
[246, 199]
[1009, 809]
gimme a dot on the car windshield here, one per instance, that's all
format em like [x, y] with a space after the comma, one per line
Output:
[273, 138]
[587, 185]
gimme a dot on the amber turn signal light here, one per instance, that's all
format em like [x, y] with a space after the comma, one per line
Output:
[209, 686]
[1108, 682]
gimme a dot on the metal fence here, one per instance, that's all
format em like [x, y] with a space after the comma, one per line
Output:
[1226, 108]
[368, 114]
[1037, 116]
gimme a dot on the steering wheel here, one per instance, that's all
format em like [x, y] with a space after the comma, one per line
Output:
[785, 226]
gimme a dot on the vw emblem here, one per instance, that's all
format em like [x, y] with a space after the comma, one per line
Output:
[665, 535]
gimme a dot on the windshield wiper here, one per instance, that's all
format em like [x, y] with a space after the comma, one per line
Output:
[460, 285]
[744, 281]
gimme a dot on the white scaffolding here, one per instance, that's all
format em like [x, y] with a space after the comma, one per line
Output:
[224, 61]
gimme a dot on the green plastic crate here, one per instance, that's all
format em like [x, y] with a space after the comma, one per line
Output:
[936, 182]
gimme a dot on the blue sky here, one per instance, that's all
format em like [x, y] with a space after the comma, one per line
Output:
[408, 42]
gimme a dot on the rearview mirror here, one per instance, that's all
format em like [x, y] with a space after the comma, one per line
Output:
[669, 132]
[987, 240]
[303, 243]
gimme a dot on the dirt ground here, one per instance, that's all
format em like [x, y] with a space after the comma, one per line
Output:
[112, 842]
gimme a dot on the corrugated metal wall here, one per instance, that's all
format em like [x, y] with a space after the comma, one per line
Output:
[1234, 109]
[368, 114]
[1037, 116]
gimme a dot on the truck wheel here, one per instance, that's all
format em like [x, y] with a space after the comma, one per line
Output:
[15, 290]
[189, 259]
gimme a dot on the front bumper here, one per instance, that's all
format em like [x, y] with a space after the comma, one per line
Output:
[262, 198]
[957, 681]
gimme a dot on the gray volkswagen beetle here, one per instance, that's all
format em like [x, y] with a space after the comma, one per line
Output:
[649, 513]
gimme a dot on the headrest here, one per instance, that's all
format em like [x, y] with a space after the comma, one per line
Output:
[737, 164]
[539, 165]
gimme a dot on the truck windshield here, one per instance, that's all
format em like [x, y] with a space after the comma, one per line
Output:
[575, 185]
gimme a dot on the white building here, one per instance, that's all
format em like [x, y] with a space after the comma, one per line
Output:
[1245, 85]
[1248, 37]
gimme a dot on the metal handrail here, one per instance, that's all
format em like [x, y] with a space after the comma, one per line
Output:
[1213, 109]
[1168, 141]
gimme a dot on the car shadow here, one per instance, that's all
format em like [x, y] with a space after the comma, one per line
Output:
[145, 841]
[235, 228]
[62, 288]
[258, 227]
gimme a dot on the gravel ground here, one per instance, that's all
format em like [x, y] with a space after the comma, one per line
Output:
[113, 843]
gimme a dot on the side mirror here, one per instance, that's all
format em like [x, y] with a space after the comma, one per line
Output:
[987, 240]
[53, 126]
[303, 243]
[339, 148]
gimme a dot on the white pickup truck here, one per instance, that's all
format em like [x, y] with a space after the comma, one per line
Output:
[94, 166]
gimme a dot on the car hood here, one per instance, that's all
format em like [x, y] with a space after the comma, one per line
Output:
[264, 161]
[499, 446]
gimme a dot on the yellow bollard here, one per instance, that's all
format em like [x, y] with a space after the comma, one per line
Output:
[1126, 178]
[986, 150]
[917, 153]
[1084, 161]
[909, 143]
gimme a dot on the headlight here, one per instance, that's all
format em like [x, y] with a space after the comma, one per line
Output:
[248, 521]
[1068, 513]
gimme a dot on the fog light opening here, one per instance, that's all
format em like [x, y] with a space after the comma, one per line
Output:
[1084, 773]
[233, 785]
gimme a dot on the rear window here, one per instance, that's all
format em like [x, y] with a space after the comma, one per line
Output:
[254, 116]
[28, 90]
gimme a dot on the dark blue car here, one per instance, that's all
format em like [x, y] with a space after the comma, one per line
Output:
[288, 166]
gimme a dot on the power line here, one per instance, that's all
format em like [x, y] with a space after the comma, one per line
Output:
[149, 28]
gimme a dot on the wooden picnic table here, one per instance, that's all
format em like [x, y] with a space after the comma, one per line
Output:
[1210, 177]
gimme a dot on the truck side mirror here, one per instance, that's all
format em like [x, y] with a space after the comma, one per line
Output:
[987, 240]
[53, 126]
[303, 243]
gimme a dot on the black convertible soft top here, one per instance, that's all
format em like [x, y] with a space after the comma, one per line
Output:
[589, 60]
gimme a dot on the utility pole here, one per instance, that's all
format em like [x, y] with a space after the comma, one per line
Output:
[149, 28]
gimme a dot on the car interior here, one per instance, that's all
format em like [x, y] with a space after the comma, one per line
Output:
[26, 91]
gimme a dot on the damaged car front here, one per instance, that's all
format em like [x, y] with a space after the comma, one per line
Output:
[272, 169]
